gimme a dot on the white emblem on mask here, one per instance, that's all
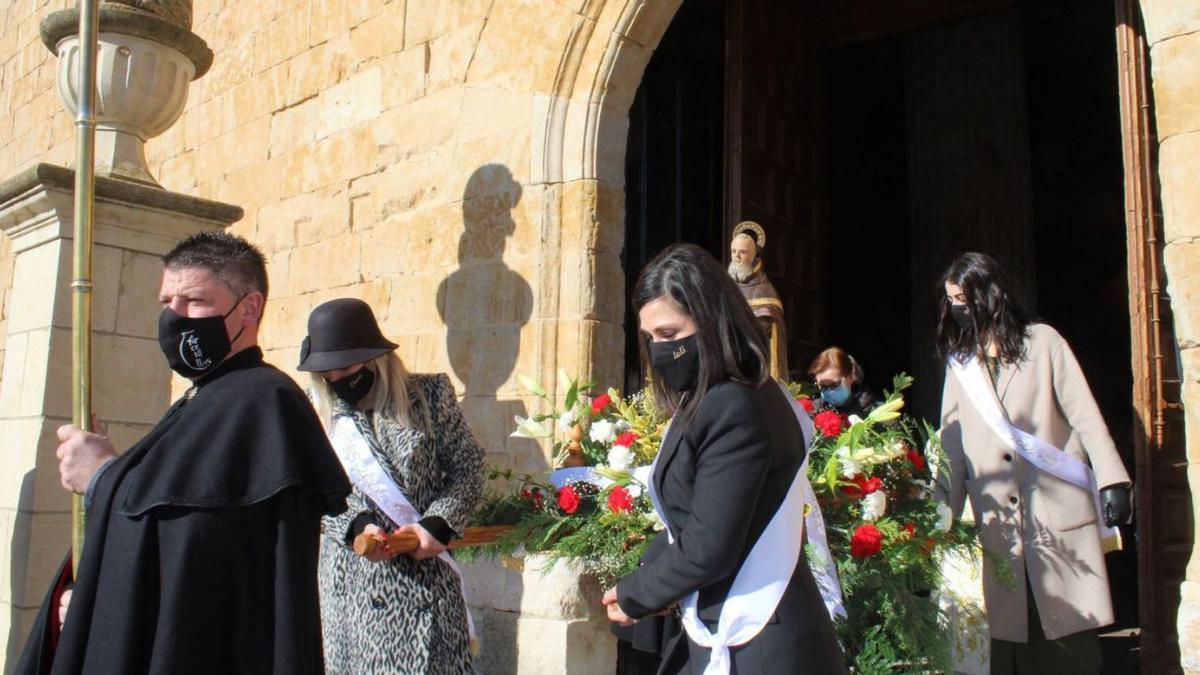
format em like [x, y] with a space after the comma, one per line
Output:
[191, 353]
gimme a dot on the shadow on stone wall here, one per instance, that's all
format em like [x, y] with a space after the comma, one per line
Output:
[20, 614]
[484, 305]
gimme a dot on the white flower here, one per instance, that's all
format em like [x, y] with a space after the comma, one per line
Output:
[634, 490]
[945, 517]
[602, 431]
[854, 419]
[926, 488]
[895, 449]
[566, 421]
[623, 426]
[850, 468]
[874, 505]
[528, 428]
[619, 457]
[655, 521]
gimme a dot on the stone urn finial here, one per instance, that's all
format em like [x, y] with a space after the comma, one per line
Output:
[147, 56]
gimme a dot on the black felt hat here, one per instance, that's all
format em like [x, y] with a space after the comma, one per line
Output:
[341, 333]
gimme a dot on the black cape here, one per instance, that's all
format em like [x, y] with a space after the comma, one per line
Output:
[202, 540]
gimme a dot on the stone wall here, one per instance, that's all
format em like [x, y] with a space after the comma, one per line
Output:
[459, 165]
[1173, 31]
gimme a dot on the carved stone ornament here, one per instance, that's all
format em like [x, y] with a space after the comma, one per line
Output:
[146, 58]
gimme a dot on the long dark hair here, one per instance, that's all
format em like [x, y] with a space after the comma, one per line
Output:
[996, 312]
[731, 343]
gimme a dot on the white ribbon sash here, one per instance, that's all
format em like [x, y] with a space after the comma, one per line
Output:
[368, 475]
[766, 572]
[1034, 450]
[826, 574]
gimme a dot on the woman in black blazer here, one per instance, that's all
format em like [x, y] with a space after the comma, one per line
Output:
[724, 469]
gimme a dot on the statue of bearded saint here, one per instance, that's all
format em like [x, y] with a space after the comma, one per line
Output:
[746, 268]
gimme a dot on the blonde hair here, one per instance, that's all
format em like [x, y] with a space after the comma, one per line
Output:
[389, 397]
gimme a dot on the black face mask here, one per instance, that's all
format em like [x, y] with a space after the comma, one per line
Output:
[962, 316]
[677, 362]
[353, 387]
[194, 347]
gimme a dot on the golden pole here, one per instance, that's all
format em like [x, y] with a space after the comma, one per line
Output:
[81, 284]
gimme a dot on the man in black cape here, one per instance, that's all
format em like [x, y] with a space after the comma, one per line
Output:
[201, 543]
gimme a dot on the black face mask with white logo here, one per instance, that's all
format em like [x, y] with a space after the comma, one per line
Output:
[194, 346]
[353, 387]
[677, 362]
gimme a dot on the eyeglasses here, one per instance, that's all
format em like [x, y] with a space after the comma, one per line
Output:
[830, 386]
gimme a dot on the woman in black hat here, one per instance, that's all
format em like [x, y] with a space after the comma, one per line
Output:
[415, 467]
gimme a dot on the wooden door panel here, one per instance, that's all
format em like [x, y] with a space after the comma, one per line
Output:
[1164, 505]
[774, 171]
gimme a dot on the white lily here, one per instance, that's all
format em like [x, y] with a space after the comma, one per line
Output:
[850, 468]
[528, 428]
[533, 387]
[886, 412]
[894, 449]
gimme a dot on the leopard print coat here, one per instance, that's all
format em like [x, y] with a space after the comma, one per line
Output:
[403, 615]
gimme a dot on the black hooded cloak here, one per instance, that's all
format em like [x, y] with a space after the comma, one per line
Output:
[202, 540]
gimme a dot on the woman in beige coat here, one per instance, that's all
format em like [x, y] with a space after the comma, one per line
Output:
[1046, 528]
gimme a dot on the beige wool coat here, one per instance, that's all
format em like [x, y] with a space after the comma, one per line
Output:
[1039, 524]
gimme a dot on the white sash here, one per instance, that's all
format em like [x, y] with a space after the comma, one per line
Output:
[764, 575]
[368, 475]
[1034, 450]
[826, 575]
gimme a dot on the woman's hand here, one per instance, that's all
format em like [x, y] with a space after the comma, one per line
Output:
[615, 613]
[430, 547]
[380, 553]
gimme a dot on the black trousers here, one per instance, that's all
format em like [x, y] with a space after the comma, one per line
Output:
[1074, 654]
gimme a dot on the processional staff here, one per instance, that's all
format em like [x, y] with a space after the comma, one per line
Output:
[81, 284]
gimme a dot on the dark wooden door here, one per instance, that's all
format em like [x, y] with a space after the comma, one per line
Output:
[674, 172]
[775, 161]
[1164, 510]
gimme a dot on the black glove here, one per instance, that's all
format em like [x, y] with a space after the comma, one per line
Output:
[1116, 504]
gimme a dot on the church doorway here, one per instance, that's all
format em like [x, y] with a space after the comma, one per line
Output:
[874, 143]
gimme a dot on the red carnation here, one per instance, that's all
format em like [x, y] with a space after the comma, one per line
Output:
[626, 439]
[910, 530]
[829, 423]
[533, 496]
[861, 486]
[916, 459]
[620, 500]
[568, 500]
[600, 403]
[807, 404]
[866, 542]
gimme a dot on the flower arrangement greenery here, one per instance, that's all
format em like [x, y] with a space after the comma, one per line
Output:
[873, 478]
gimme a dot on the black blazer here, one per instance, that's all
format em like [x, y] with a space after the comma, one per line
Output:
[721, 480]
